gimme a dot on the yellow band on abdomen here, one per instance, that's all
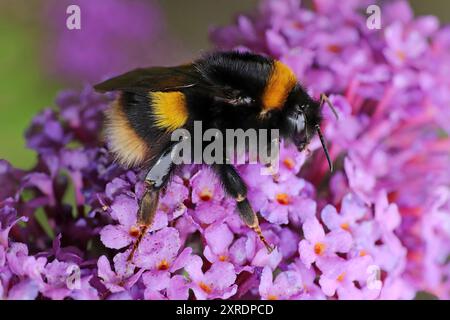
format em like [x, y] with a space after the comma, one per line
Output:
[169, 109]
[129, 148]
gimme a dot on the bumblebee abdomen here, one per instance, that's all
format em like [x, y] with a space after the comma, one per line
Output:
[130, 149]
[169, 109]
[138, 121]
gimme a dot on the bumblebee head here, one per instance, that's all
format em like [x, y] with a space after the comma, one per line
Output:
[302, 120]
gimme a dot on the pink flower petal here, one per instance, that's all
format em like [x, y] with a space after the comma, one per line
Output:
[156, 280]
[115, 237]
[328, 286]
[124, 209]
[178, 288]
[263, 258]
[158, 250]
[266, 282]
[313, 230]
[330, 217]
[194, 268]
[221, 275]
[338, 241]
[182, 259]
[219, 238]
[238, 254]
[288, 283]
[307, 254]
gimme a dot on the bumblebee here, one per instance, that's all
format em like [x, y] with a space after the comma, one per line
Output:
[222, 90]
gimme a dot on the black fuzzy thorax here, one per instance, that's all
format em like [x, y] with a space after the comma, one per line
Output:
[236, 71]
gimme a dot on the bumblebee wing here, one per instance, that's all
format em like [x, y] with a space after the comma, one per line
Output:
[153, 79]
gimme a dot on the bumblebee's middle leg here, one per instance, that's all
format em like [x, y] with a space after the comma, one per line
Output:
[156, 178]
[236, 187]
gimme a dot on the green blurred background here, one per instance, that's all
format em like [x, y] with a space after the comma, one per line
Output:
[26, 87]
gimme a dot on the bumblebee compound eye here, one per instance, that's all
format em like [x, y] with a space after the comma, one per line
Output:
[296, 123]
[300, 123]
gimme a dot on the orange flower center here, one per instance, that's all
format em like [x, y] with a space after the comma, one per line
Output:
[362, 253]
[134, 231]
[334, 48]
[411, 211]
[345, 226]
[272, 297]
[298, 25]
[341, 277]
[319, 248]
[392, 196]
[415, 256]
[283, 198]
[205, 287]
[206, 194]
[163, 265]
[165, 208]
[401, 55]
[289, 163]
[223, 258]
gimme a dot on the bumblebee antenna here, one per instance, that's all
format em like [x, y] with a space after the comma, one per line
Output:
[324, 98]
[324, 146]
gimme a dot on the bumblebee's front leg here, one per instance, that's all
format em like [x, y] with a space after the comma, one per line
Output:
[236, 188]
[156, 178]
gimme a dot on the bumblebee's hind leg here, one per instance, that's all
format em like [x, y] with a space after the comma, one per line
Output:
[236, 188]
[146, 215]
[156, 178]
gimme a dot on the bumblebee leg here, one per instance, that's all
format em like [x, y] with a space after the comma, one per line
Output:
[157, 177]
[146, 215]
[236, 188]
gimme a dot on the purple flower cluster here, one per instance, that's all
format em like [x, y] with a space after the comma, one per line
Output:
[377, 227]
[391, 144]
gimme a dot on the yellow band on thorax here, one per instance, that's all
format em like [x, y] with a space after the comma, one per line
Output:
[279, 84]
